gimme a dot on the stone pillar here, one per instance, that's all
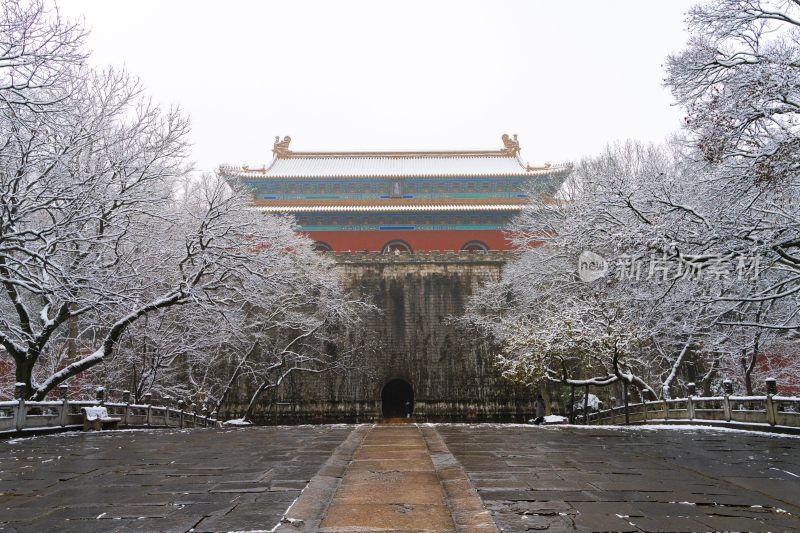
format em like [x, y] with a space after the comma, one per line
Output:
[181, 405]
[148, 400]
[166, 400]
[100, 395]
[689, 403]
[727, 388]
[126, 399]
[19, 394]
[63, 391]
[586, 406]
[772, 390]
[625, 401]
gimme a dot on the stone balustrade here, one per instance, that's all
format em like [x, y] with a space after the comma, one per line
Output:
[19, 416]
[770, 410]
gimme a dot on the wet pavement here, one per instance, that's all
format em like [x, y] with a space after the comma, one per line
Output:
[402, 478]
[566, 479]
[159, 480]
[391, 483]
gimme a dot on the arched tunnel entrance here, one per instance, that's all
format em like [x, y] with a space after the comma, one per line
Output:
[397, 399]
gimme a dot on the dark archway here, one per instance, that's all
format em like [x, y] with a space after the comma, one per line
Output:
[397, 399]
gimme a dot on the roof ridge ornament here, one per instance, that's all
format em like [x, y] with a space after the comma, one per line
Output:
[510, 144]
[545, 166]
[281, 147]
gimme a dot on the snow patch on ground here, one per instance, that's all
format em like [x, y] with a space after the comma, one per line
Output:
[237, 422]
[552, 419]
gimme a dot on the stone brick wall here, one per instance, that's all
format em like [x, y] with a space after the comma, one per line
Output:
[449, 369]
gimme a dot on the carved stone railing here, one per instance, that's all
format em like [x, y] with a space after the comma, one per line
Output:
[19, 416]
[770, 410]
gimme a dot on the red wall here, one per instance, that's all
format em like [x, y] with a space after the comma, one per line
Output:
[420, 241]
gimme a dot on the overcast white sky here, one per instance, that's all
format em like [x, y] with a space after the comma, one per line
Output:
[567, 76]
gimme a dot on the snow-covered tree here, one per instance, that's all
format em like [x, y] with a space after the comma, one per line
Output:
[98, 233]
[739, 82]
[287, 315]
[39, 53]
[702, 234]
[672, 292]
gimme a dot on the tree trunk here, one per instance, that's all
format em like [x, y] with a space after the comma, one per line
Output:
[235, 375]
[546, 395]
[248, 414]
[747, 369]
[625, 399]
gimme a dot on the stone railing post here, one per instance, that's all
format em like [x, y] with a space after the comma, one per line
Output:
[148, 400]
[689, 403]
[166, 400]
[181, 405]
[727, 387]
[100, 395]
[126, 399]
[204, 412]
[63, 392]
[19, 394]
[666, 408]
[772, 390]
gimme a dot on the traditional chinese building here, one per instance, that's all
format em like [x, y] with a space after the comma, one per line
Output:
[442, 215]
[400, 201]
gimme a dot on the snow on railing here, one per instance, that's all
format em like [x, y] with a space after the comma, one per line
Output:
[770, 409]
[23, 415]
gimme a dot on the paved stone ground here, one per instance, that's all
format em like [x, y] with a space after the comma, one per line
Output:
[161, 480]
[590, 479]
[561, 479]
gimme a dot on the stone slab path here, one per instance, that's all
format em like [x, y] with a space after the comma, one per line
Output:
[390, 485]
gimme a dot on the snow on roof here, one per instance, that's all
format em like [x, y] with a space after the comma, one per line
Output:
[291, 164]
[395, 166]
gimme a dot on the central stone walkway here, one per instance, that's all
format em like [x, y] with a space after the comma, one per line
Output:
[391, 484]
